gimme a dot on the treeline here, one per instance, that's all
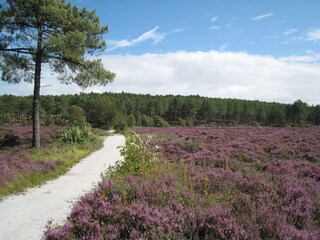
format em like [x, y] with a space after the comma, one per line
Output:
[120, 110]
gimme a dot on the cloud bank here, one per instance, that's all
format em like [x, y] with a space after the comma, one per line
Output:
[212, 74]
[217, 74]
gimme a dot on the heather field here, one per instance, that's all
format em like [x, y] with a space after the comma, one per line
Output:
[15, 160]
[22, 167]
[207, 183]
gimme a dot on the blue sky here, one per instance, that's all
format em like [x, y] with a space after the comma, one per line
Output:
[272, 27]
[249, 49]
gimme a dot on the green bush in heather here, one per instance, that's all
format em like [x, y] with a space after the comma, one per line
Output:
[139, 157]
[76, 135]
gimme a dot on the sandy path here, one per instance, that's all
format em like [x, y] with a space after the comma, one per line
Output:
[25, 216]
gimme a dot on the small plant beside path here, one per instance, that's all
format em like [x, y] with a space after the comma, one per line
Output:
[139, 157]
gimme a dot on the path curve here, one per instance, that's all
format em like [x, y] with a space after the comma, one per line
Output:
[25, 216]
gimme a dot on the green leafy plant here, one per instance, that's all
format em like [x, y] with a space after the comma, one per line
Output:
[160, 122]
[76, 135]
[139, 157]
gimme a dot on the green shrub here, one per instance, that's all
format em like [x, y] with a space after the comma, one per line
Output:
[5, 119]
[182, 122]
[139, 158]
[189, 122]
[147, 121]
[76, 135]
[131, 120]
[256, 124]
[160, 122]
[76, 115]
[121, 126]
[100, 112]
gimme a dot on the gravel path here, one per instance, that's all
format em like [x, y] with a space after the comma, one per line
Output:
[25, 216]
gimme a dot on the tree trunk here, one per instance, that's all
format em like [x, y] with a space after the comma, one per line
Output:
[36, 96]
[36, 107]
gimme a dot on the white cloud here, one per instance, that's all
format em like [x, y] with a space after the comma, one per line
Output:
[153, 35]
[214, 19]
[311, 58]
[308, 35]
[313, 35]
[120, 43]
[212, 74]
[216, 74]
[260, 17]
[150, 35]
[214, 27]
[290, 31]
[296, 35]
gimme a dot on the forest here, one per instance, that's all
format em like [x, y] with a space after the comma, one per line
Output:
[121, 110]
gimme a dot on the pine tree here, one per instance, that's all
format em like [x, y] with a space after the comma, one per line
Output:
[37, 32]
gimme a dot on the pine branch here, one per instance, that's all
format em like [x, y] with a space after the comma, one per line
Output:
[18, 50]
[67, 61]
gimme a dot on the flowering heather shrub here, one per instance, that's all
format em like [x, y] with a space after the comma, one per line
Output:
[15, 161]
[245, 183]
[109, 213]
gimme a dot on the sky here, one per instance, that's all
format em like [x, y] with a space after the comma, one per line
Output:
[267, 50]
